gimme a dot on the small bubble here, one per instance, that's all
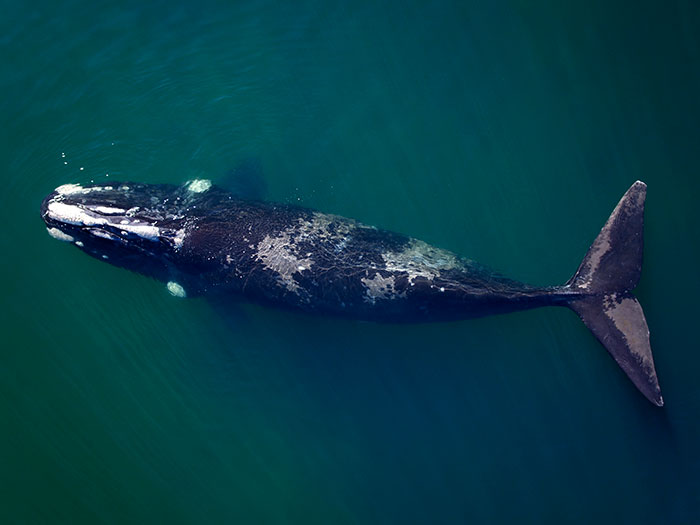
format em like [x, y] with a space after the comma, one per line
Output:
[65, 162]
[81, 168]
[63, 154]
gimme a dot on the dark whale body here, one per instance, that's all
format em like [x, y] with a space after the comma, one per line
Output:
[286, 255]
[201, 239]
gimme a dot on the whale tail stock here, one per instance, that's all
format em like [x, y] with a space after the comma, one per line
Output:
[603, 298]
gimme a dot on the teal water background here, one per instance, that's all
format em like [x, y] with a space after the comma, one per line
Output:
[505, 131]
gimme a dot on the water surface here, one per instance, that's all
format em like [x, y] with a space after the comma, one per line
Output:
[504, 131]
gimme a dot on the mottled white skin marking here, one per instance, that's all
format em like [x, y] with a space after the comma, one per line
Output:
[319, 227]
[381, 288]
[199, 185]
[420, 259]
[277, 252]
[176, 289]
[79, 244]
[625, 315]
[618, 322]
[58, 234]
[79, 217]
[276, 255]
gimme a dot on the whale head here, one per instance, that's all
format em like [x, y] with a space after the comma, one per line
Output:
[133, 225]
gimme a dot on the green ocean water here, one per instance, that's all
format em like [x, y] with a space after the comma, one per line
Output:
[505, 131]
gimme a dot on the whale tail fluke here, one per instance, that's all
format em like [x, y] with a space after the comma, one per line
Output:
[603, 281]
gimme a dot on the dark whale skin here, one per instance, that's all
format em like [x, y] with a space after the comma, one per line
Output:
[317, 262]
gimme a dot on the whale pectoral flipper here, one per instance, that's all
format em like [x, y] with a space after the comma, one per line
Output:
[610, 269]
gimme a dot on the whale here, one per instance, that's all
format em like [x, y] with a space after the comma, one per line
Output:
[201, 239]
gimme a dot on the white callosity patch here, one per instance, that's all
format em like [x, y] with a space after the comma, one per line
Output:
[75, 215]
[107, 210]
[419, 259]
[69, 189]
[199, 185]
[144, 231]
[104, 235]
[72, 189]
[179, 238]
[381, 288]
[61, 236]
[176, 289]
[71, 214]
